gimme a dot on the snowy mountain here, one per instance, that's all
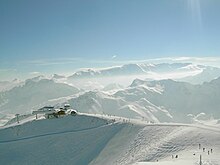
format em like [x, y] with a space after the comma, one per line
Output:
[128, 69]
[33, 94]
[125, 74]
[207, 74]
[180, 70]
[181, 98]
[98, 78]
[57, 76]
[97, 102]
[7, 85]
[155, 101]
[134, 69]
[97, 140]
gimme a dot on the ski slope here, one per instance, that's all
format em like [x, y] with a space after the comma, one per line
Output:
[97, 140]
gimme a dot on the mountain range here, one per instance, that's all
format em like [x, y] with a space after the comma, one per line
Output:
[33, 94]
[163, 100]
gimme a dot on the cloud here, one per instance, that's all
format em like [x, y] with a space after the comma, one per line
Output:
[209, 61]
[56, 61]
[34, 73]
[181, 58]
[113, 57]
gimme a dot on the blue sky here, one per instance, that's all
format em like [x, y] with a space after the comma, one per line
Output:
[62, 35]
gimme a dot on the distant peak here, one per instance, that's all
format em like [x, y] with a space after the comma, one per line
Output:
[137, 82]
[57, 76]
[38, 79]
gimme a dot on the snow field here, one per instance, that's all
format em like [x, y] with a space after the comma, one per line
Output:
[98, 140]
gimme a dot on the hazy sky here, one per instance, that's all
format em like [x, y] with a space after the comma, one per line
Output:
[62, 35]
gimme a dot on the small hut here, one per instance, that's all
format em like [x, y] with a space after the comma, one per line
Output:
[67, 106]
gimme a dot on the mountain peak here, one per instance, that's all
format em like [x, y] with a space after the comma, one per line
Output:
[137, 82]
[57, 76]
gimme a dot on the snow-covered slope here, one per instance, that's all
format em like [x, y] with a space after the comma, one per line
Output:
[33, 94]
[98, 140]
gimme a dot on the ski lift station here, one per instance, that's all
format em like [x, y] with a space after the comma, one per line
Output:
[51, 112]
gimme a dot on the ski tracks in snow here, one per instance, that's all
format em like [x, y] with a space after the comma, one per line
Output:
[155, 143]
[55, 133]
